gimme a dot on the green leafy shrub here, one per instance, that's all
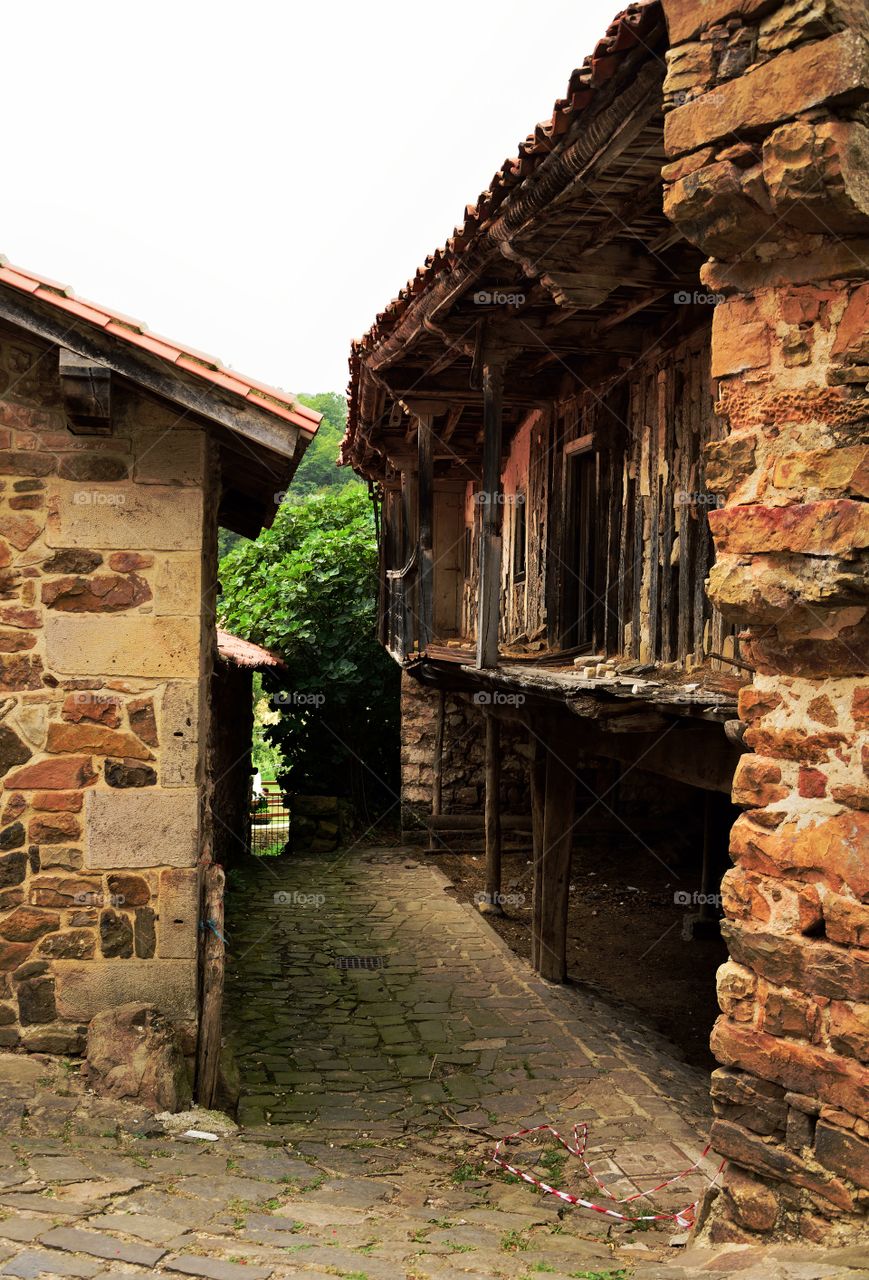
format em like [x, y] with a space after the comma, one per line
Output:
[307, 588]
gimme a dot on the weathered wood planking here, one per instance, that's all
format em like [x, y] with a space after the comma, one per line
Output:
[649, 547]
[652, 547]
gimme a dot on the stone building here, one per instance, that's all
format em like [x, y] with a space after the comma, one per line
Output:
[120, 454]
[617, 429]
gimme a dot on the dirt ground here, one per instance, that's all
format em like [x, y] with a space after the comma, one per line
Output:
[624, 930]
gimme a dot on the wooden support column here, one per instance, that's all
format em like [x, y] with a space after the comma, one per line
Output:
[557, 840]
[538, 805]
[491, 902]
[211, 1009]
[437, 789]
[407, 630]
[426, 528]
[489, 597]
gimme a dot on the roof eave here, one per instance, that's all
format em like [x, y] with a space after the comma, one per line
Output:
[241, 417]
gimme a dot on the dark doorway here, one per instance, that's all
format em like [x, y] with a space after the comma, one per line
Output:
[581, 591]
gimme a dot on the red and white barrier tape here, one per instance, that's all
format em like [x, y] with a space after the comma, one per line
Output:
[684, 1218]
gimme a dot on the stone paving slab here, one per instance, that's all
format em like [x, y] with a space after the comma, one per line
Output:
[373, 1173]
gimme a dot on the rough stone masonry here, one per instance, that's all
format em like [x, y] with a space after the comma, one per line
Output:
[104, 627]
[769, 150]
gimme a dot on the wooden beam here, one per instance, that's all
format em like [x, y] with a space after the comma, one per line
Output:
[210, 1023]
[491, 902]
[581, 445]
[633, 306]
[558, 818]
[538, 807]
[453, 419]
[86, 388]
[425, 498]
[519, 822]
[489, 595]
[406, 629]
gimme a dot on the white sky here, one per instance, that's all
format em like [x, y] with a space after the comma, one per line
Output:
[259, 179]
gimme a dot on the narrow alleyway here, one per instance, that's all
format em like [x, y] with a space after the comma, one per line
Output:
[434, 1021]
[371, 1100]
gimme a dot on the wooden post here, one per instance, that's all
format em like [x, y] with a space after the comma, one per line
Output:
[211, 1012]
[437, 789]
[538, 804]
[557, 840]
[489, 596]
[425, 498]
[491, 902]
[407, 631]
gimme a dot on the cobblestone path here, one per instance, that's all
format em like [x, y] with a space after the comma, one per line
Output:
[450, 1024]
[372, 1099]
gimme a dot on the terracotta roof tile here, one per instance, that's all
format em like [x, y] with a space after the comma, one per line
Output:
[244, 653]
[628, 29]
[220, 379]
[8, 275]
[625, 32]
[143, 340]
[82, 310]
[207, 367]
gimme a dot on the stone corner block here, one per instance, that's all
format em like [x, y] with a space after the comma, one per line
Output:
[83, 990]
[152, 828]
[97, 644]
[178, 904]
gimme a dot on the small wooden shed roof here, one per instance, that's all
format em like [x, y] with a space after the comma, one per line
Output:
[243, 653]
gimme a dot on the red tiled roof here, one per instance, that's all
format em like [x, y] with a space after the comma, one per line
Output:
[208, 368]
[243, 653]
[627, 30]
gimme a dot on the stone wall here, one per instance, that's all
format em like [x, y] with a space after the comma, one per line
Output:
[464, 756]
[104, 609]
[317, 823]
[768, 151]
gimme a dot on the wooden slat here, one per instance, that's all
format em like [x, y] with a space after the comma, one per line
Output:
[666, 653]
[425, 540]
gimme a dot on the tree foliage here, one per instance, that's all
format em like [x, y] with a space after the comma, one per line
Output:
[318, 469]
[307, 588]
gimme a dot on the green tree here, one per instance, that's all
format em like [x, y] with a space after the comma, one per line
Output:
[318, 469]
[307, 588]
